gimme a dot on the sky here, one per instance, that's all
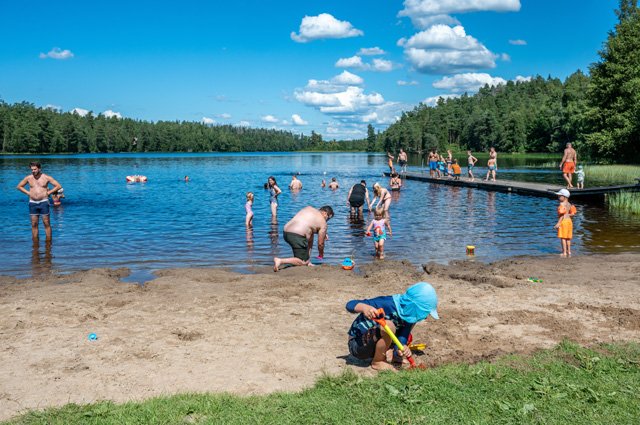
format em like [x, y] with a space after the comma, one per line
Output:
[329, 66]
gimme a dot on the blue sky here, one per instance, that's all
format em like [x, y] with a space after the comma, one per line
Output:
[325, 65]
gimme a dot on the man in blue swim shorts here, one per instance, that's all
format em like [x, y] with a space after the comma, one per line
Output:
[38, 194]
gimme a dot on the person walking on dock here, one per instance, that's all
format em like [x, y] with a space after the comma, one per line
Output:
[568, 165]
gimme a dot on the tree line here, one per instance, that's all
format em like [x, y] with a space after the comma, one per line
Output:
[599, 113]
[25, 128]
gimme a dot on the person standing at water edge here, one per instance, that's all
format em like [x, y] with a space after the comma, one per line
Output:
[299, 233]
[471, 162]
[564, 224]
[274, 192]
[568, 164]
[357, 196]
[38, 194]
[402, 160]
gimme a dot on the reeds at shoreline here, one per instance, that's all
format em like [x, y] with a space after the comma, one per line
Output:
[624, 201]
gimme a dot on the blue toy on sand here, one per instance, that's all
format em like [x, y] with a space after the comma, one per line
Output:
[348, 264]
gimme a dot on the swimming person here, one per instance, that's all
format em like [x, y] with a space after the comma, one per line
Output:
[57, 196]
[402, 161]
[471, 162]
[333, 185]
[38, 194]
[568, 164]
[402, 311]
[295, 183]
[564, 224]
[299, 233]
[357, 196]
[274, 192]
[379, 225]
[249, 211]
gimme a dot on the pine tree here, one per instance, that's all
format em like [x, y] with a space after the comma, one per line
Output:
[371, 139]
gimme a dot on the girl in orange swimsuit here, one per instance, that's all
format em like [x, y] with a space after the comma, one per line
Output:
[565, 226]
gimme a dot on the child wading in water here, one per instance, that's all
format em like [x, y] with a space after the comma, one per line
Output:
[402, 311]
[565, 225]
[379, 224]
[247, 207]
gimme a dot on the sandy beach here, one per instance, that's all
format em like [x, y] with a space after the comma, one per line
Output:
[211, 330]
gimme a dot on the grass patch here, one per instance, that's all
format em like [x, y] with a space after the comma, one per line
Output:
[624, 201]
[566, 385]
[611, 174]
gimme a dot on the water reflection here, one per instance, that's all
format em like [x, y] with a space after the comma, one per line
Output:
[41, 262]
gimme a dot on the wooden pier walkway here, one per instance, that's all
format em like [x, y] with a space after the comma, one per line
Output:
[522, 188]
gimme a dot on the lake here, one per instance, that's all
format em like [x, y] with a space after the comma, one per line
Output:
[105, 222]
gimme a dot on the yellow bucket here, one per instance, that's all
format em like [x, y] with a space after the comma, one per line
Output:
[471, 250]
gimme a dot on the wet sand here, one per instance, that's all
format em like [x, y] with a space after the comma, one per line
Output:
[210, 330]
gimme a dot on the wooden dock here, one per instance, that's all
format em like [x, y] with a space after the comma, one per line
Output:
[522, 188]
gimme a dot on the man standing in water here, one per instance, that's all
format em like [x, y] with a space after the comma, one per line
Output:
[299, 233]
[38, 194]
[568, 165]
[295, 184]
[402, 161]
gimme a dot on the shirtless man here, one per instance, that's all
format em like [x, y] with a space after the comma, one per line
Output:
[357, 196]
[333, 185]
[433, 163]
[568, 165]
[402, 161]
[295, 183]
[38, 194]
[299, 233]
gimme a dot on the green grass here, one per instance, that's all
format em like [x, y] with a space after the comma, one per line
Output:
[624, 201]
[611, 174]
[566, 385]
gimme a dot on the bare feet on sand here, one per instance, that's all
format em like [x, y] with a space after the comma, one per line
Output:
[382, 366]
[276, 264]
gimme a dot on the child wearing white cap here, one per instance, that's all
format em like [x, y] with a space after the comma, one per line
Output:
[564, 225]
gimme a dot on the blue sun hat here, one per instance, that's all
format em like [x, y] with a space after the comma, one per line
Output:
[419, 302]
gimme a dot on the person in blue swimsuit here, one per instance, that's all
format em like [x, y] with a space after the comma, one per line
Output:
[402, 312]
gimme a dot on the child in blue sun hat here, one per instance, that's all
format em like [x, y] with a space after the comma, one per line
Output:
[402, 311]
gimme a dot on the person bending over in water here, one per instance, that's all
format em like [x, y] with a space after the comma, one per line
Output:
[564, 224]
[379, 225]
[38, 194]
[248, 209]
[299, 233]
[384, 199]
[274, 192]
[356, 198]
[401, 311]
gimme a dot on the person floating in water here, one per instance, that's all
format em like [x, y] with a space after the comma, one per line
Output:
[186, 179]
[38, 194]
[564, 224]
[57, 196]
[248, 210]
[402, 311]
[299, 234]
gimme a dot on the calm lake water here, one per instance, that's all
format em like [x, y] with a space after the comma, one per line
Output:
[105, 222]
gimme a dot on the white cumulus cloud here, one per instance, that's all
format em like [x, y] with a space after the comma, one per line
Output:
[469, 82]
[407, 83]
[521, 79]
[269, 119]
[111, 114]
[324, 26]
[518, 42]
[444, 50]
[57, 53]
[355, 62]
[347, 78]
[79, 111]
[297, 120]
[424, 13]
[351, 99]
[371, 51]
[208, 121]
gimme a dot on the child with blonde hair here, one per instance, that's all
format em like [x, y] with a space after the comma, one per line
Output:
[247, 207]
[379, 225]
